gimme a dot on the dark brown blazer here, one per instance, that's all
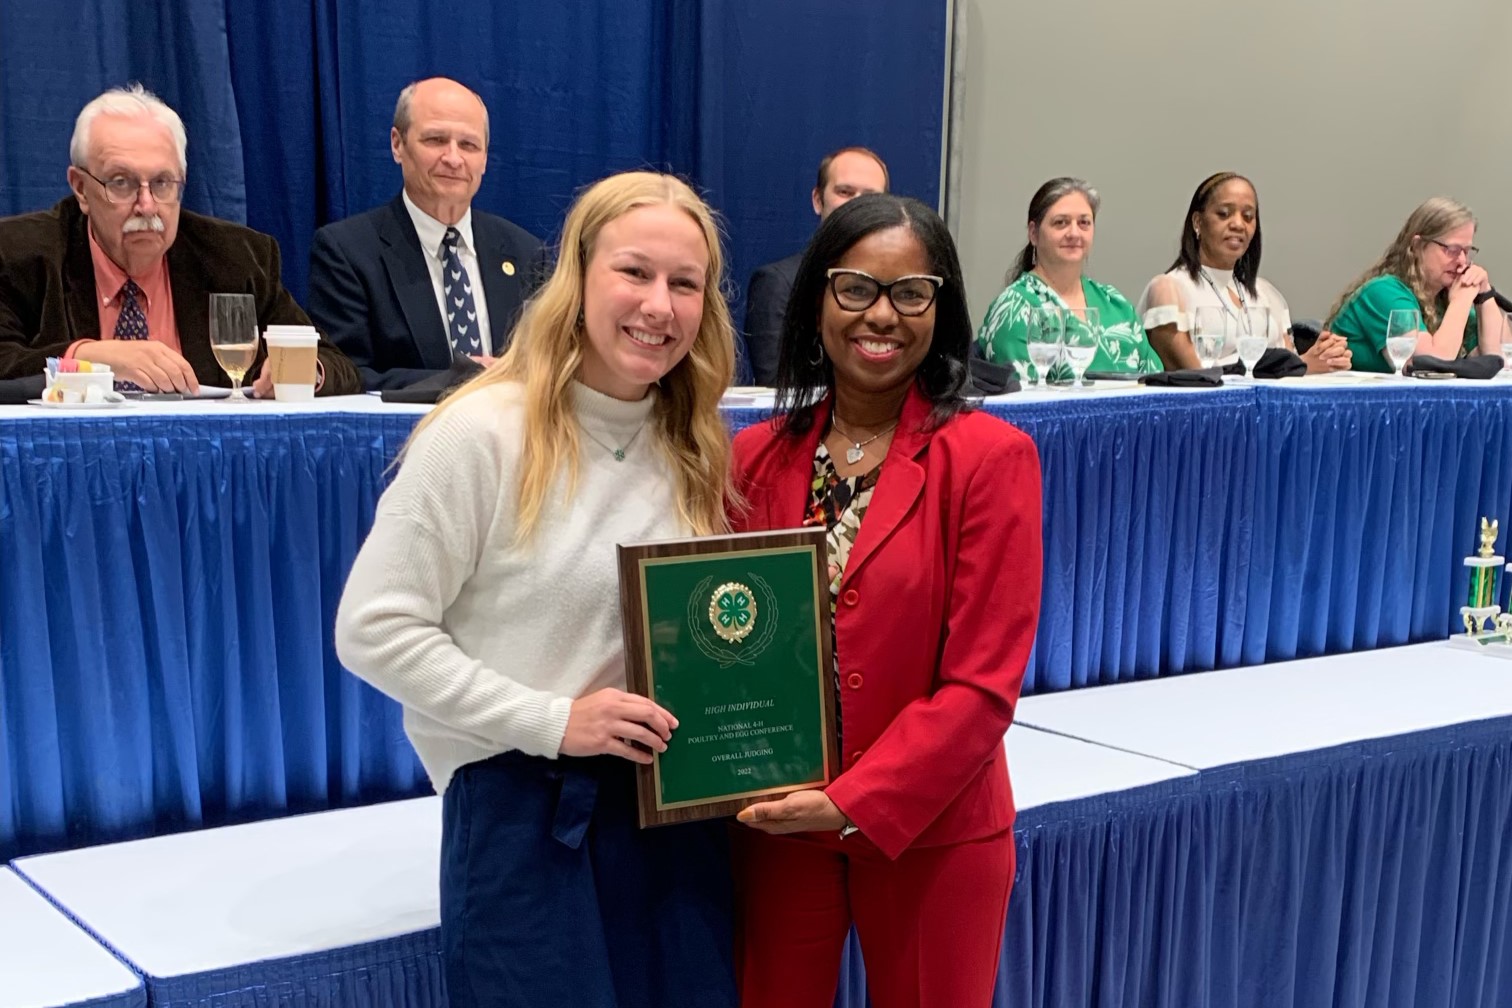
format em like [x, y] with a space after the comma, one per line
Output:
[48, 298]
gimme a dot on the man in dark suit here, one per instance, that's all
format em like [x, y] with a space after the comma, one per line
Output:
[843, 175]
[119, 274]
[398, 287]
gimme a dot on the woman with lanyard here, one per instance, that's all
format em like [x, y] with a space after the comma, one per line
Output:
[1049, 271]
[933, 518]
[485, 600]
[1219, 267]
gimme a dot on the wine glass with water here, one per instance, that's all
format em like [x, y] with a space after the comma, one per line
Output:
[233, 337]
[1083, 333]
[1254, 338]
[1210, 329]
[1403, 326]
[1047, 328]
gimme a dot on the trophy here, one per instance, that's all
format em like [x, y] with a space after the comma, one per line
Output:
[1487, 628]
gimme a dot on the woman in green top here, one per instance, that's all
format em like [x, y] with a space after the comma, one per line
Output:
[1428, 269]
[1062, 215]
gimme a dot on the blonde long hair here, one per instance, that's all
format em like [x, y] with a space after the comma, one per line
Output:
[546, 351]
[1435, 217]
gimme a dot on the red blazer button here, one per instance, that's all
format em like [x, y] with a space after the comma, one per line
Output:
[855, 755]
[850, 597]
[853, 680]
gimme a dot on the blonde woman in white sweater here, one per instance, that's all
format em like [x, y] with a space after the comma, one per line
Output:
[485, 600]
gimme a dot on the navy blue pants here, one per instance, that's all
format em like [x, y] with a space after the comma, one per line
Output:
[552, 897]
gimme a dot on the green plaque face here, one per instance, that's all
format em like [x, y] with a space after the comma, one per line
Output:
[731, 634]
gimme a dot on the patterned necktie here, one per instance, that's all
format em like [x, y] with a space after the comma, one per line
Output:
[133, 321]
[461, 312]
[131, 325]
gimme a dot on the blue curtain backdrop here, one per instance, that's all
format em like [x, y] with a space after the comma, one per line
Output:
[288, 102]
[54, 57]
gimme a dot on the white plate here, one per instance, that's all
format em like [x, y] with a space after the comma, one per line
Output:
[78, 405]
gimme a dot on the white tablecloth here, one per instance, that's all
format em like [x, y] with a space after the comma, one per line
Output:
[194, 902]
[1236, 715]
[45, 959]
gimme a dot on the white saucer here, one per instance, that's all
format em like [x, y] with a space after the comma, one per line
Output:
[79, 405]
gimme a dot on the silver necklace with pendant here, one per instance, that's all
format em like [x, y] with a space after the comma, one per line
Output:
[855, 452]
[618, 453]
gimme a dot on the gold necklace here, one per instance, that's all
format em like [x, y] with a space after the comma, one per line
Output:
[855, 452]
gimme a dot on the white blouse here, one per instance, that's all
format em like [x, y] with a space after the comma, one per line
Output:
[1172, 297]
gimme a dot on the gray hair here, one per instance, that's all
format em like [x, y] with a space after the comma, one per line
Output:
[1045, 197]
[402, 106]
[130, 101]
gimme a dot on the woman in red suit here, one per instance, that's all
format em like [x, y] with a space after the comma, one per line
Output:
[933, 512]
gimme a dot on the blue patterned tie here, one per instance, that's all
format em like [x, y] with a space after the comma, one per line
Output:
[133, 321]
[132, 325]
[461, 312]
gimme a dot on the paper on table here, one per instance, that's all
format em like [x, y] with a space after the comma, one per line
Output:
[1337, 378]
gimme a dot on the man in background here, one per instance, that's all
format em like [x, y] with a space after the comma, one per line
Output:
[118, 273]
[409, 287]
[843, 175]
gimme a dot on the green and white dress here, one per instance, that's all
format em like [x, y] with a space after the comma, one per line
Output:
[1122, 347]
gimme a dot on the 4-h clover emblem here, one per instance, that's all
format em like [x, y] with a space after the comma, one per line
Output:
[724, 623]
[732, 611]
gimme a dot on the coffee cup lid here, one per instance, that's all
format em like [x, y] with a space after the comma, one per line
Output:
[291, 335]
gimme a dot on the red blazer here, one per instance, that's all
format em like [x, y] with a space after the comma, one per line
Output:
[936, 616]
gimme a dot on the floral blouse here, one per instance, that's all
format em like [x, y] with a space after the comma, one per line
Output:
[838, 503]
[1121, 343]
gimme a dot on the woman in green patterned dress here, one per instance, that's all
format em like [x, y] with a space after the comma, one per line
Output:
[1062, 216]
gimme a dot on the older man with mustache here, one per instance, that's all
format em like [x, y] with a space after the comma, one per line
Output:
[119, 274]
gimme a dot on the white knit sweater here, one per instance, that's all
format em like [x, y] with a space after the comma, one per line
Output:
[485, 643]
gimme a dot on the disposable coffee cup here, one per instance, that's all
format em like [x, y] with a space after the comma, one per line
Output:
[291, 361]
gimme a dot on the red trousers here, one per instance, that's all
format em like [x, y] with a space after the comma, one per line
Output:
[930, 923]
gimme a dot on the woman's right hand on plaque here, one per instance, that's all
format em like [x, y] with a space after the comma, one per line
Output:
[606, 723]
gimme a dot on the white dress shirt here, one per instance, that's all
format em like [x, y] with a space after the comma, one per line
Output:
[431, 232]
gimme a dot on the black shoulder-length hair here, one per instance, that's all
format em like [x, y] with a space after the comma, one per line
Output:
[1247, 269]
[804, 372]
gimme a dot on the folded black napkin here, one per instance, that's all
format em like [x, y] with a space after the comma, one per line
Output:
[985, 378]
[1276, 363]
[14, 391]
[1185, 378]
[1477, 366]
[1305, 333]
[432, 389]
[1110, 376]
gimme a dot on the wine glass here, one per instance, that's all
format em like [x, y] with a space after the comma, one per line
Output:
[1253, 339]
[1210, 330]
[233, 337]
[1047, 329]
[1402, 328]
[1083, 333]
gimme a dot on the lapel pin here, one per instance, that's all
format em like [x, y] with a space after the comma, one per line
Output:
[508, 268]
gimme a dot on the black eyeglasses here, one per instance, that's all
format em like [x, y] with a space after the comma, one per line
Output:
[1455, 251]
[124, 188]
[856, 291]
